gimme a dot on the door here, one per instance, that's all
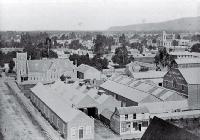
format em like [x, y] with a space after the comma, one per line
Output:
[140, 126]
[81, 133]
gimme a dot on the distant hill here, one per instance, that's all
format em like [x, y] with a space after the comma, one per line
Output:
[182, 24]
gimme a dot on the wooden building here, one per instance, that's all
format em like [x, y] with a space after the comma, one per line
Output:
[75, 126]
[186, 81]
[130, 120]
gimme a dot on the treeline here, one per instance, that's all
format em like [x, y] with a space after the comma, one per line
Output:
[97, 61]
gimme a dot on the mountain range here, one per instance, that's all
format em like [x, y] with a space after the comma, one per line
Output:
[182, 24]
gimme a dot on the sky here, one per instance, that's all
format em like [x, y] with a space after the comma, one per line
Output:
[28, 15]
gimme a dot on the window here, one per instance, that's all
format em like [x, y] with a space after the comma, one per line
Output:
[88, 130]
[135, 125]
[145, 123]
[123, 127]
[182, 87]
[126, 116]
[134, 116]
[73, 131]
[174, 84]
[166, 83]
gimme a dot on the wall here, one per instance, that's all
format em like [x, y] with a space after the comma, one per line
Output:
[84, 122]
[168, 81]
[194, 96]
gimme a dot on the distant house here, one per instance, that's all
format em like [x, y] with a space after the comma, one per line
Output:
[88, 72]
[130, 120]
[45, 70]
[186, 63]
[162, 130]
[187, 81]
[131, 92]
[183, 54]
[70, 122]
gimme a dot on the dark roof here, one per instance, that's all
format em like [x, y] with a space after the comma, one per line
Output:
[162, 130]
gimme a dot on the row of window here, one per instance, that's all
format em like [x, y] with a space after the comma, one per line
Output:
[126, 126]
[133, 117]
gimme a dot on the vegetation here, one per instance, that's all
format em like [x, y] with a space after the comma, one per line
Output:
[163, 58]
[97, 62]
[195, 48]
[121, 56]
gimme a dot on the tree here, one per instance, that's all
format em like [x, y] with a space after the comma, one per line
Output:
[62, 78]
[121, 56]
[195, 47]
[122, 39]
[99, 44]
[174, 43]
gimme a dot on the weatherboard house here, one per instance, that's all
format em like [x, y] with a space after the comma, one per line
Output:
[130, 120]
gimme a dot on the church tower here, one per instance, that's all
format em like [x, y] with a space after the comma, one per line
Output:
[21, 61]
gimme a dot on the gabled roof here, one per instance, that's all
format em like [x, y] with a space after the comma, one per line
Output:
[139, 91]
[191, 75]
[107, 113]
[56, 104]
[132, 110]
[163, 130]
[83, 68]
[42, 66]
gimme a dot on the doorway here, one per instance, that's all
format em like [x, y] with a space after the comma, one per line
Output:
[140, 126]
[81, 133]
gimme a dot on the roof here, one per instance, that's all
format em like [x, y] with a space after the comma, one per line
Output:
[42, 66]
[148, 74]
[139, 90]
[107, 113]
[132, 110]
[191, 75]
[181, 53]
[72, 95]
[188, 61]
[101, 99]
[56, 104]
[83, 68]
[166, 106]
[163, 130]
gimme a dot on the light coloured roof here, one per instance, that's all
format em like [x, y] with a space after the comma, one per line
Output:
[148, 74]
[107, 113]
[180, 53]
[188, 61]
[101, 99]
[55, 103]
[125, 91]
[42, 66]
[191, 75]
[139, 90]
[39, 66]
[132, 110]
[72, 95]
[83, 68]
[166, 106]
